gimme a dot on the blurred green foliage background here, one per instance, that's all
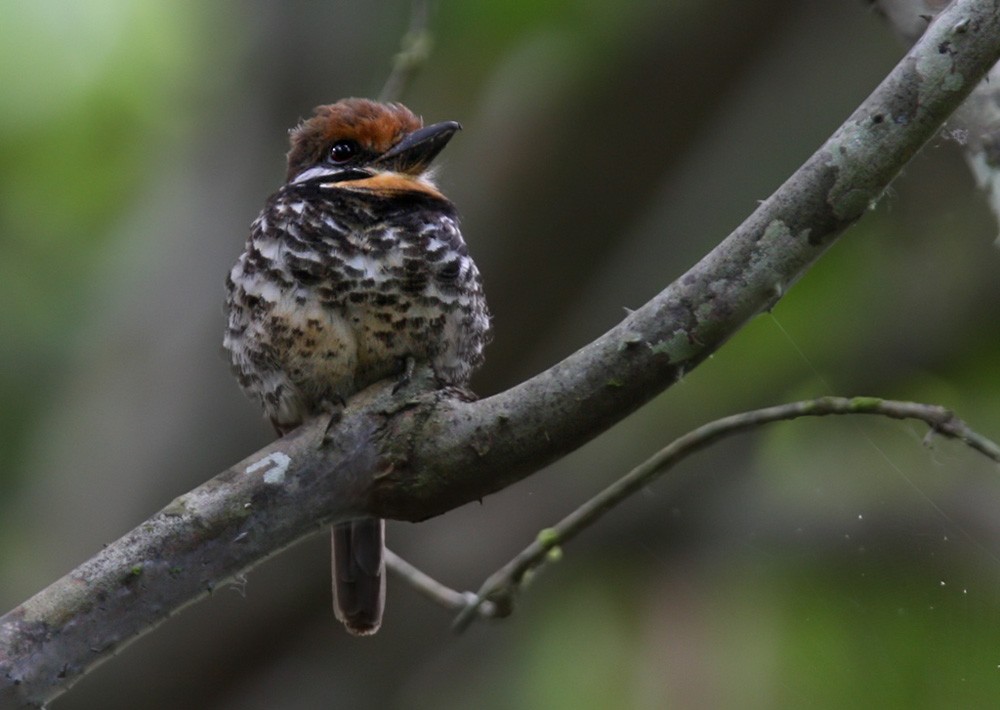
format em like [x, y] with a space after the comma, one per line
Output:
[607, 146]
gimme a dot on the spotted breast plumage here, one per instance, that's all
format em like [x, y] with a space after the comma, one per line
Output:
[354, 271]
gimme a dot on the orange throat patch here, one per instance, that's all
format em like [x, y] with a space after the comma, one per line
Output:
[390, 183]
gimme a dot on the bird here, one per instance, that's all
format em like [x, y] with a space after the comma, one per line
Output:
[354, 272]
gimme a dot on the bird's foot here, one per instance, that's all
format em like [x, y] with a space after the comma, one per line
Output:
[335, 408]
[406, 376]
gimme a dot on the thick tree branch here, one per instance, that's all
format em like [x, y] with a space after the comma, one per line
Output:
[472, 449]
[976, 123]
[414, 455]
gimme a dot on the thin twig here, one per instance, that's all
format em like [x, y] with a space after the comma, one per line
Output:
[415, 48]
[435, 591]
[503, 584]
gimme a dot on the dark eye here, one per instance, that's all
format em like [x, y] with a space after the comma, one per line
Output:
[342, 151]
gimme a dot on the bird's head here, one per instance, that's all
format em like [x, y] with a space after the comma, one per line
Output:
[366, 145]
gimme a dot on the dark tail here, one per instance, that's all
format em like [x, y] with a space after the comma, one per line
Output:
[359, 574]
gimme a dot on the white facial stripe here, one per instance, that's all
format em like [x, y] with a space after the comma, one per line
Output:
[315, 172]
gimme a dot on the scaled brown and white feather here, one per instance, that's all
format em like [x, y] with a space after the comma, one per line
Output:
[354, 267]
